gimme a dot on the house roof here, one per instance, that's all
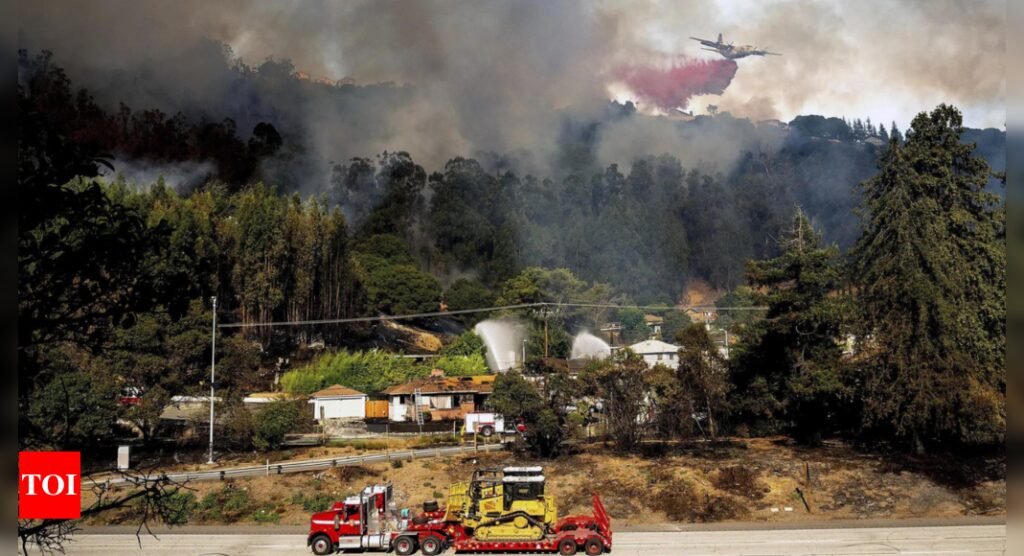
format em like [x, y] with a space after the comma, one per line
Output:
[257, 397]
[653, 346]
[653, 319]
[483, 384]
[336, 391]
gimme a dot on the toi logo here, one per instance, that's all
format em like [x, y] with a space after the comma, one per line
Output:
[49, 485]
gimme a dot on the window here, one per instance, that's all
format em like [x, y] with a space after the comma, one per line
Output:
[659, 357]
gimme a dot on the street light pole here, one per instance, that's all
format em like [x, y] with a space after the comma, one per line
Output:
[213, 363]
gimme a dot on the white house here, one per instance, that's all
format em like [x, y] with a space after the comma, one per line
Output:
[656, 351]
[338, 402]
[257, 399]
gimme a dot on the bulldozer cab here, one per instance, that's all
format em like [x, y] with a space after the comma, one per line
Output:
[520, 487]
[503, 503]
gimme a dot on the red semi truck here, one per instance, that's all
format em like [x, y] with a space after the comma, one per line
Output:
[371, 521]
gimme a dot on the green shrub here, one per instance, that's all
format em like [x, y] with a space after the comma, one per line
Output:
[366, 371]
[179, 508]
[318, 502]
[227, 505]
[373, 371]
[396, 464]
[273, 422]
[266, 514]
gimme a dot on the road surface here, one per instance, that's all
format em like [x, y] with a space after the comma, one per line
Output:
[945, 540]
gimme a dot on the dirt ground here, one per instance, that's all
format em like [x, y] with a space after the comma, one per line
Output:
[733, 480]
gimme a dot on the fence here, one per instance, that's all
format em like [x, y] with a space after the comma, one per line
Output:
[376, 409]
[309, 465]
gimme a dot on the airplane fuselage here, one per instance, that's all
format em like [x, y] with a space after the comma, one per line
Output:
[731, 52]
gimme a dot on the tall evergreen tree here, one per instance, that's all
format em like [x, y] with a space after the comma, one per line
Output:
[894, 133]
[788, 367]
[931, 279]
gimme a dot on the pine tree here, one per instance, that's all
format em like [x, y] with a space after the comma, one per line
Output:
[858, 129]
[788, 364]
[931, 279]
[869, 128]
[882, 133]
[895, 134]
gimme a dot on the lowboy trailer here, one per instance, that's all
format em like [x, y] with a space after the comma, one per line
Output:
[491, 513]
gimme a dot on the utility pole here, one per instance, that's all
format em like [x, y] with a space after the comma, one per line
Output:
[545, 310]
[524, 354]
[213, 366]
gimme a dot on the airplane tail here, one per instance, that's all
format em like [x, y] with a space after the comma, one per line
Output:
[719, 38]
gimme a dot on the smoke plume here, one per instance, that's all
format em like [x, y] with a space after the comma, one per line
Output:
[673, 86]
[444, 78]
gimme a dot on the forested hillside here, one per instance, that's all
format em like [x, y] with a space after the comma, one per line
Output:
[130, 220]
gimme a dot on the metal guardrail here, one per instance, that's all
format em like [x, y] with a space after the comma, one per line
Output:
[308, 465]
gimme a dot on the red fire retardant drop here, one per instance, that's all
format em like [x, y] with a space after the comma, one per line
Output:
[673, 86]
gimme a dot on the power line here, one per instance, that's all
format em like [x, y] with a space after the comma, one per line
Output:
[381, 317]
[479, 310]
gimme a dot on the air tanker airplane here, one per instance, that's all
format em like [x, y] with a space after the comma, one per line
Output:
[733, 52]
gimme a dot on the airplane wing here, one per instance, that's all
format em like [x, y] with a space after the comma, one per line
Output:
[705, 42]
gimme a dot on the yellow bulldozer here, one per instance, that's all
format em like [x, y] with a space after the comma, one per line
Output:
[503, 504]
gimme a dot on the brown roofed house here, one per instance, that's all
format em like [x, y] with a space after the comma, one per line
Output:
[338, 402]
[443, 398]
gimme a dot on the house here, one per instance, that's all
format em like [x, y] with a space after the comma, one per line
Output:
[258, 399]
[656, 351]
[443, 398]
[188, 416]
[338, 402]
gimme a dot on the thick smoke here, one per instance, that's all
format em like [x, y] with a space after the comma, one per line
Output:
[182, 176]
[671, 87]
[446, 78]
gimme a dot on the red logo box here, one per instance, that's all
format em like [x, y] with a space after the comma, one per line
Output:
[49, 485]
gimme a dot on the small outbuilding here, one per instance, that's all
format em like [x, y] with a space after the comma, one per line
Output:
[338, 402]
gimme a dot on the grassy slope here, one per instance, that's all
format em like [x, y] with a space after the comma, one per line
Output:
[740, 480]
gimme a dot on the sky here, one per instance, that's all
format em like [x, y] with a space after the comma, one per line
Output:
[504, 76]
[884, 59]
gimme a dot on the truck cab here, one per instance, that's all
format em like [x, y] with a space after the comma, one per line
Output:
[368, 520]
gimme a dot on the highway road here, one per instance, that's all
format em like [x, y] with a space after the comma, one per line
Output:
[945, 540]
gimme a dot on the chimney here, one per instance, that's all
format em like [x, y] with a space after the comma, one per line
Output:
[436, 373]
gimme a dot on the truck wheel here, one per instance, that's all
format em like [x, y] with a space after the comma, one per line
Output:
[404, 546]
[567, 546]
[487, 431]
[593, 546]
[431, 546]
[321, 545]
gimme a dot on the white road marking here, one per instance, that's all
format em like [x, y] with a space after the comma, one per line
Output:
[904, 541]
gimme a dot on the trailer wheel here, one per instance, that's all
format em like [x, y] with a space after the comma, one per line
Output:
[567, 546]
[431, 546]
[593, 546]
[487, 431]
[321, 545]
[404, 546]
